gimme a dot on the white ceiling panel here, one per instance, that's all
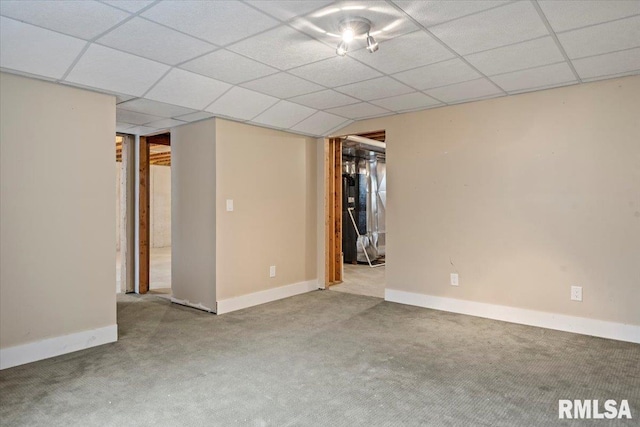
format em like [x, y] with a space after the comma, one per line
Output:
[228, 67]
[382, 87]
[105, 68]
[123, 98]
[440, 74]
[474, 89]
[134, 117]
[287, 9]
[165, 123]
[512, 23]
[153, 41]
[194, 117]
[410, 101]
[404, 52]
[602, 38]
[284, 114]
[282, 85]
[325, 99]
[85, 19]
[431, 12]
[34, 50]
[359, 111]
[627, 61]
[319, 123]
[336, 71]
[519, 56]
[567, 15]
[132, 6]
[141, 130]
[156, 108]
[187, 89]
[219, 22]
[243, 104]
[121, 127]
[283, 48]
[386, 21]
[545, 76]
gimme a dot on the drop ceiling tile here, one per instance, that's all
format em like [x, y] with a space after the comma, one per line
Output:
[166, 123]
[34, 50]
[336, 71]
[602, 38]
[84, 19]
[359, 111]
[105, 68]
[513, 23]
[319, 123]
[287, 9]
[141, 130]
[324, 99]
[132, 6]
[519, 56]
[123, 98]
[155, 108]
[284, 114]
[474, 89]
[219, 22]
[410, 101]
[283, 48]
[387, 21]
[382, 87]
[121, 127]
[135, 118]
[548, 75]
[282, 85]
[228, 67]
[567, 15]
[627, 61]
[240, 103]
[194, 117]
[404, 52]
[150, 40]
[187, 89]
[440, 74]
[430, 13]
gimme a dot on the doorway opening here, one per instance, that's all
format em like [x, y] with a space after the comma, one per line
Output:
[356, 213]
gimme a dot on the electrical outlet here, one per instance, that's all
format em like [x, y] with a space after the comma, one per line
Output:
[454, 279]
[229, 205]
[272, 271]
[576, 293]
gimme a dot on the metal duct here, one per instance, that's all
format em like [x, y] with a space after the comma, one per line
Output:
[365, 143]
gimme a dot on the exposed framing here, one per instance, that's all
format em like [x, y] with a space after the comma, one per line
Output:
[333, 211]
[144, 218]
[124, 154]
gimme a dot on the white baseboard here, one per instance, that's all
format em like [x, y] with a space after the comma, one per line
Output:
[560, 322]
[51, 347]
[257, 298]
[199, 306]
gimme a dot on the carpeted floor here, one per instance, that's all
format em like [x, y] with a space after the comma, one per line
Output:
[322, 359]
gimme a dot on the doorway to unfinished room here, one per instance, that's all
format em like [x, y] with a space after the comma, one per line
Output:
[155, 215]
[355, 216]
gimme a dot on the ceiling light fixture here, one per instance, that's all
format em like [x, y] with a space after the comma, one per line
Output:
[353, 28]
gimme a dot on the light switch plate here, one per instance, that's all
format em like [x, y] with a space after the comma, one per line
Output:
[229, 205]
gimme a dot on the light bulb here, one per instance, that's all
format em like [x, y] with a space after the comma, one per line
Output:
[348, 35]
[342, 49]
[372, 44]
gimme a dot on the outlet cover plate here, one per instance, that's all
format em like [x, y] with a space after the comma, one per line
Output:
[454, 279]
[576, 293]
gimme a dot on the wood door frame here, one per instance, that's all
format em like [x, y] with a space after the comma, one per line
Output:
[127, 195]
[333, 211]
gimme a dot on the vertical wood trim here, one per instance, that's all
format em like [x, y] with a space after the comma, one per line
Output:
[143, 236]
[332, 195]
[124, 208]
[338, 210]
[327, 210]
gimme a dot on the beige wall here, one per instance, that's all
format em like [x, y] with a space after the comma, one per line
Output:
[271, 177]
[57, 258]
[526, 195]
[193, 213]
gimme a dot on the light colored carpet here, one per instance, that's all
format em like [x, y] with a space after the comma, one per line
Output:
[319, 359]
